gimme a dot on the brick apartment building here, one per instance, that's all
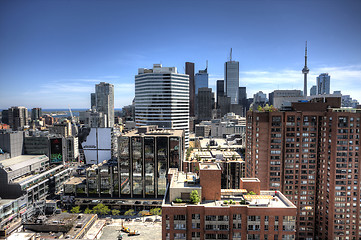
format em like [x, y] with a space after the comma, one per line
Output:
[224, 213]
[311, 154]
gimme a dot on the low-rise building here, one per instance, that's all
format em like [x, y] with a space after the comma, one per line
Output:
[244, 213]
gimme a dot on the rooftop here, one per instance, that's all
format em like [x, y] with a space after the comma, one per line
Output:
[155, 132]
[21, 161]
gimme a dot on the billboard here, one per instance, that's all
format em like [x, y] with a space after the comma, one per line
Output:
[56, 150]
[97, 145]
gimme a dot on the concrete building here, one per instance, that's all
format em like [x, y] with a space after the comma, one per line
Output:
[203, 129]
[71, 153]
[231, 79]
[37, 145]
[11, 142]
[93, 119]
[205, 103]
[284, 98]
[18, 117]
[230, 162]
[104, 93]
[224, 213]
[190, 72]
[323, 84]
[63, 129]
[144, 156]
[228, 125]
[36, 113]
[30, 176]
[162, 98]
[311, 154]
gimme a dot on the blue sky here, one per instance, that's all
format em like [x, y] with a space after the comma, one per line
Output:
[53, 52]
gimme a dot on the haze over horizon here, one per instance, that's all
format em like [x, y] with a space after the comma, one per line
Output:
[52, 53]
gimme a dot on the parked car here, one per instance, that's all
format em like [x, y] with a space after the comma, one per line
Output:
[138, 220]
[149, 219]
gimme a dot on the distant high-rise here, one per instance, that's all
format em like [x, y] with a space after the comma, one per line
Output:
[231, 79]
[305, 71]
[313, 90]
[162, 98]
[219, 90]
[190, 72]
[201, 80]
[104, 94]
[93, 101]
[205, 103]
[323, 84]
[36, 113]
[18, 117]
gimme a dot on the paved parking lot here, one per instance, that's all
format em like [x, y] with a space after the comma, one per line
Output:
[147, 230]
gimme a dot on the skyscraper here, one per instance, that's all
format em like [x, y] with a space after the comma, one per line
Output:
[190, 72]
[305, 71]
[36, 113]
[313, 90]
[205, 103]
[93, 101]
[104, 97]
[201, 80]
[162, 98]
[18, 117]
[323, 84]
[231, 79]
[311, 153]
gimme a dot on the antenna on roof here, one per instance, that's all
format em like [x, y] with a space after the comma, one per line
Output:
[230, 55]
[206, 65]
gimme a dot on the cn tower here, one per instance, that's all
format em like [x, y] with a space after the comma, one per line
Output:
[305, 71]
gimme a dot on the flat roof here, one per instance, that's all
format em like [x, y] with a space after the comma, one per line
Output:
[75, 180]
[22, 161]
[209, 166]
[157, 132]
[182, 180]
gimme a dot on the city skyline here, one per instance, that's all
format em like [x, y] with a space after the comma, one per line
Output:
[53, 53]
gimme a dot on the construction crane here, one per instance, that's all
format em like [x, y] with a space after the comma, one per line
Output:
[72, 122]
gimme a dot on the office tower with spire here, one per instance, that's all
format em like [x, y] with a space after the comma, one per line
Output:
[104, 99]
[231, 79]
[190, 73]
[305, 71]
[162, 98]
[323, 84]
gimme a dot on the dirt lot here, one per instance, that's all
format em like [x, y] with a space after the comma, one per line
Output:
[147, 230]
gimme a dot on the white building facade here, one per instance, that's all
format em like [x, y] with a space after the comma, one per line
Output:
[162, 98]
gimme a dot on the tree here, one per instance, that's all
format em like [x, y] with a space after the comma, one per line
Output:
[130, 212]
[251, 193]
[195, 197]
[75, 209]
[178, 200]
[115, 212]
[87, 211]
[101, 209]
[156, 211]
[143, 213]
